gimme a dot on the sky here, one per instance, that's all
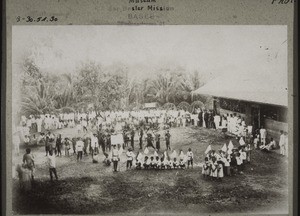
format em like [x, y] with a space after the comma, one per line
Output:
[211, 50]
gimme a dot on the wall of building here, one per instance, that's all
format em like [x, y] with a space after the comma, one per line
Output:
[224, 112]
[274, 127]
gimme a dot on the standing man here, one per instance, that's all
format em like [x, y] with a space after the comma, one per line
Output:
[200, 114]
[94, 144]
[28, 160]
[115, 157]
[263, 135]
[141, 134]
[132, 138]
[168, 137]
[79, 148]
[205, 118]
[157, 141]
[52, 165]
[58, 145]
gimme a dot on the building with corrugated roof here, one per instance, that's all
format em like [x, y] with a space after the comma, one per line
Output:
[260, 98]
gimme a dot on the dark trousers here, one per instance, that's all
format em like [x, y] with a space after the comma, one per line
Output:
[158, 145]
[141, 142]
[132, 143]
[168, 145]
[79, 155]
[53, 171]
[58, 152]
[47, 148]
[115, 165]
[129, 164]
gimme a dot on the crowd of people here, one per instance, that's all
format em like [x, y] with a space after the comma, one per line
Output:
[148, 128]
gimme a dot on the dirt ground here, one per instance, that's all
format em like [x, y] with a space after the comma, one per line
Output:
[87, 188]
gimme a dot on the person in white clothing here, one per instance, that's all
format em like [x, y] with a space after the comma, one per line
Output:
[286, 143]
[79, 148]
[217, 120]
[190, 157]
[263, 135]
[282, 143]
[52, 165]
[130, 155]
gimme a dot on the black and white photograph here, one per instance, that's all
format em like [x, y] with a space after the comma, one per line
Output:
[150, 119]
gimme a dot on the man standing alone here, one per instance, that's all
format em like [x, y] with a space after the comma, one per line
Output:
[52, 165]
[79, 148]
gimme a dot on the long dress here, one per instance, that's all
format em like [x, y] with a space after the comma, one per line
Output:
[220, 171]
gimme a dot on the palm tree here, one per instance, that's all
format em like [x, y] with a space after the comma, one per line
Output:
[164, 86]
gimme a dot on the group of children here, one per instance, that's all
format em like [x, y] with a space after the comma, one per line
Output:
[163, 162]
[226, 162]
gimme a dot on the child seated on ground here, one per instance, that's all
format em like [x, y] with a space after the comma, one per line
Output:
[169, 164]
[153, 163]
[268, 147]
[175, 163]
[106, 161]
[138, 164]
[181, 163]
[146, 163]
[158, 163]
[163, 163]
[96, 158]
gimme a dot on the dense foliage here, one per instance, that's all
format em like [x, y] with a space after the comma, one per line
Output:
[92, 87]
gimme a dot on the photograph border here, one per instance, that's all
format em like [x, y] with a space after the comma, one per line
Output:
[9, 16]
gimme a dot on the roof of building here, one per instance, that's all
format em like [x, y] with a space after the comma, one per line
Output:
[264, 87]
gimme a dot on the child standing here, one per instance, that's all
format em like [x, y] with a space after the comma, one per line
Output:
[220, 170]
[190, 157]
[130, 156]
[227, 160]
[239, 162]
[205, 167]
[214, 169]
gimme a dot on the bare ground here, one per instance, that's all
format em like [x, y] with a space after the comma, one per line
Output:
[86, 188]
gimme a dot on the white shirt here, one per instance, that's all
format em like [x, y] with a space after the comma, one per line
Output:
[282, 140]
[94, 142]
[79, 145]
[51, 161]
[130, 155]
[263, 133]
[190, 155]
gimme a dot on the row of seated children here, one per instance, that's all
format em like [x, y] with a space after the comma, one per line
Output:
[160, 163]
[165, 162]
